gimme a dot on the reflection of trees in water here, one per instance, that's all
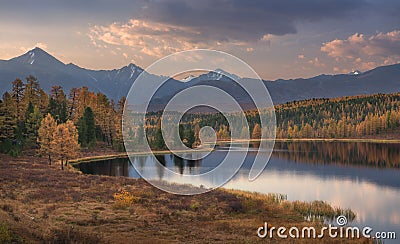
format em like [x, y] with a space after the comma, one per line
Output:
[377, 155]
[179, 163]
[192, 164]
[160, 168]
[141, 161]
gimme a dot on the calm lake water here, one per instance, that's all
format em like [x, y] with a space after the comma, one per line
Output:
[364, 177]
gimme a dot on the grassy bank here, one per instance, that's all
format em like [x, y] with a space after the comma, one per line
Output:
[41, 203]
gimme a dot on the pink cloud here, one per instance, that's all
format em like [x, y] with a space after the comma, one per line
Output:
[150, 38]
[301, 56]
[366, 52]
[316, 62]
[157, 39]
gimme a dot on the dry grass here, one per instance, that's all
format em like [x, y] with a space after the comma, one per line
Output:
[43, 204]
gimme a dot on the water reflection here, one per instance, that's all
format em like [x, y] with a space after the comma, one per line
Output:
[377, 155]
[354, 161]
[362, 176]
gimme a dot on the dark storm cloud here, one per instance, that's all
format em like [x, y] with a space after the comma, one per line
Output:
[247, 20]
[216, 19]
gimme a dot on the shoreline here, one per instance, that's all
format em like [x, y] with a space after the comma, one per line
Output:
[96, 158]
[367, 140]
[43, 204]
[341, 140]
[125, 155]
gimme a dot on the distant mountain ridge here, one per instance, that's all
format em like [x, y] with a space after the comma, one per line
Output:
[117, 82]
[50, 71]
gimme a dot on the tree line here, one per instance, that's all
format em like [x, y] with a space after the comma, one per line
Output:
[56, 124]
[59, 125]
[345, 117]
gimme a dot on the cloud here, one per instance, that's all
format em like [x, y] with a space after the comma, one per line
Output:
[301, 56]
[246, 20]
[166, 26]
[38, 44]
[316, 62]
[150, 38]
[366, 52]
[266, 37]
[155, 39]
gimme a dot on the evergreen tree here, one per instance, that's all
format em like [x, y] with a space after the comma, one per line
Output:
[8, 120]
[82, 132]
[189, 136]
[17, 94]
[58, 104]
[87, 128]
[32, 92]
[8, 123]
[32, 126]
[159, 142]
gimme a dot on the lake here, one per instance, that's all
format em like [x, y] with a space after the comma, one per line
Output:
[364, 177]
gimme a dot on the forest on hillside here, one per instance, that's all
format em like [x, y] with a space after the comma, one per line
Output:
[58, 125]
[55, 123]
[346, 117]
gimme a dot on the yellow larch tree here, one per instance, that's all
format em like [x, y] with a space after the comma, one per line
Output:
[65, 142]
[45, 135]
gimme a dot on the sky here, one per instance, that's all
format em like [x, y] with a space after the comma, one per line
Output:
[278, 38]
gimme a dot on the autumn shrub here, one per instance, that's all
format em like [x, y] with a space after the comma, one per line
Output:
[14, 152]
[195, 205]
[124, 199]
[5, 236]
[252, 205]
[321, 210]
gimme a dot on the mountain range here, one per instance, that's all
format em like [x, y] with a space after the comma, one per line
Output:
[116, 83]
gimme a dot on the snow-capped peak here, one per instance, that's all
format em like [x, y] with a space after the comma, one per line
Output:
[188, 78]
[133, 70]
[31, 57]
[355, 72]
[219, 74]
[37, 56]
